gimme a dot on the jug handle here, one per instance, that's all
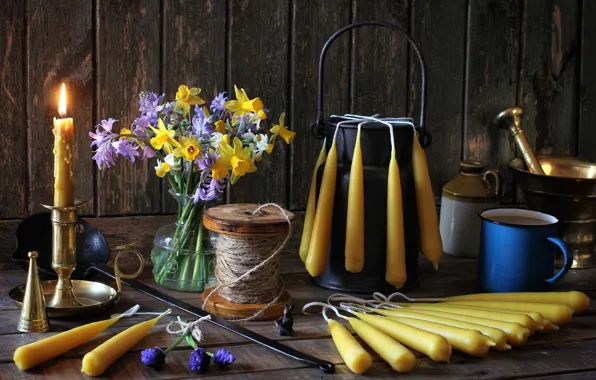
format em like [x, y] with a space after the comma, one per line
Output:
[497, 178]
[317, 126]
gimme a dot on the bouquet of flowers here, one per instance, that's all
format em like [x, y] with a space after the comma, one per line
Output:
[197, 148]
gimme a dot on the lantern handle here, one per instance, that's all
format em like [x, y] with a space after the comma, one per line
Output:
[317, 127]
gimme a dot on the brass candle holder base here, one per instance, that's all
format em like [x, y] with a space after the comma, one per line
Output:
[64, 253]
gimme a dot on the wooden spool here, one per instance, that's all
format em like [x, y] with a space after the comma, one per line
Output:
[240, 220]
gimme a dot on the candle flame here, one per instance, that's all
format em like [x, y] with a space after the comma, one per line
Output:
[62, 102]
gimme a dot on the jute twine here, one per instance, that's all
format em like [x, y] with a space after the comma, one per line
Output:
[247, 268]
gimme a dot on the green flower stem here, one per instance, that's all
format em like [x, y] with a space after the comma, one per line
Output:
[188, 177]
[176, 343]
[198, 252]
[185, 229]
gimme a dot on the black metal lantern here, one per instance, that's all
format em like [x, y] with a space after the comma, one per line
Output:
[376, 152]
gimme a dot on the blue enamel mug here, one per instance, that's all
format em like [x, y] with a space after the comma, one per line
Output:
[517, 250]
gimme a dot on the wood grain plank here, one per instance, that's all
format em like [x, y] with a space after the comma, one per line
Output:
[491, 84]
[60, 49]
[258, 62]
[125, 69]
[587, 129]
[445, 56]
[194, 50]
[314, 23]
[13, 197]
[379, 60]
[548, 80]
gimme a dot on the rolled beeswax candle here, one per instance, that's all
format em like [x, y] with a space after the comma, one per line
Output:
[316, 261]
[499, 315]
[354, 251]
[516, 333]
[395, 269]
[578, 301]
[471, 342]
[556, 313]
[432, 345]
[399, 358]
[496, 335]
[38, 352]
[309, 215]
[355, 357]
[104, 355]
[430, 238]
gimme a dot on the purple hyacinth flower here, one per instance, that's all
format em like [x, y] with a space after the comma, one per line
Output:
[208, 160]
[213, 190]
[107, 125]
[126, 149]
[217, 104]
[105, 155]
[149, 101]
[153, 357]
[199, 360]
[148, 152]
[223, 357]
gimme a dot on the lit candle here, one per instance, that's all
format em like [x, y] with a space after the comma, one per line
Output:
[316, 261]
[355, 357]
[104, 355]
[354, 250]
[395, 267]
[63, 155]
[309, 215]
[45, 349]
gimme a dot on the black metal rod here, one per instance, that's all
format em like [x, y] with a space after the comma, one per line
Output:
[317, 126]
[323, 365]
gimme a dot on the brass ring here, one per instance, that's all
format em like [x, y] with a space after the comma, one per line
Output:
[120, 275]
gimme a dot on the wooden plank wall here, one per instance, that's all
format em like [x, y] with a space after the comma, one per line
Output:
[482, 56]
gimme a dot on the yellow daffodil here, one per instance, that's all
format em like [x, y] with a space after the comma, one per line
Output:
[237, 159]
[242, 105]
[162, 169]
[220, 126]
[186, 97]
[125, 131]
[262, 145]
[188, 149]
[164, 138]
[282, 131]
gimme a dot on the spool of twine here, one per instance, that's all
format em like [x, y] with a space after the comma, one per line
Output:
[247, 261]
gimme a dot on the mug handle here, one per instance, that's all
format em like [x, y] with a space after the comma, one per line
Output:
[568, 259]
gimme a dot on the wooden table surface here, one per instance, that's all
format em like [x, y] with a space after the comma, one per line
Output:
[569, 353]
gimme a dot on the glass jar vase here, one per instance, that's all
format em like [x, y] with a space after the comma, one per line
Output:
[182, 251]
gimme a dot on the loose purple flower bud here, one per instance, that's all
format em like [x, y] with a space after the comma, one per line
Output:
[199, 360]
[223, 357]
[153, 357]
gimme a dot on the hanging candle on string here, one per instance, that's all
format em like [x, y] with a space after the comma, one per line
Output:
[309, 216]
[354, 250]
[316, 260]
[428, 222]
[395, 270]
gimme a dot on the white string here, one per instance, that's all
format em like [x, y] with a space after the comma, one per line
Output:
[326, 307]
[381, 297]
[179, 327]
[351, 308]
[134, 311]
[346, 297]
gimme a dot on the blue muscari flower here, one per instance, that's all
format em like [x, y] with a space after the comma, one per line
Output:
[223, 357]
[153, 357]
[199, 360]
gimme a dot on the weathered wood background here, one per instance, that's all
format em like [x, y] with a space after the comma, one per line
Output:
[483, 56]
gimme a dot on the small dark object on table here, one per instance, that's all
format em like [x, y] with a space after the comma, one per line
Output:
[285, 322]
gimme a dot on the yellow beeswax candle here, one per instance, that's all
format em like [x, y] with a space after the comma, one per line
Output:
[432, 345]
[309, 215]
[471, 342]
[352, 353]
[104, 355]
[556, 313]
[63, 156]
[499, 315]
[496, 335]
[354, 251]
[430, 237]
[578, 301]
[399, 358]
[45, 349]
[516, 333]
[395, 269]
[316, 261]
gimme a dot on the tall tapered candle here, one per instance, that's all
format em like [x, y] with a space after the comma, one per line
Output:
[63, 155]
[354, 251]
[309, 215]
[355, 357]
[316, 261]
[395, 271]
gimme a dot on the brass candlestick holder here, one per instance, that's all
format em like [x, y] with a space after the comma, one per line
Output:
[64, 253]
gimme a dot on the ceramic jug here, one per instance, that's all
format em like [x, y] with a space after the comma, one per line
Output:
[462, 198]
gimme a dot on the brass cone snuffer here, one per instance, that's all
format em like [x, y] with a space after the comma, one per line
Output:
[33, 313]
[64, 253]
